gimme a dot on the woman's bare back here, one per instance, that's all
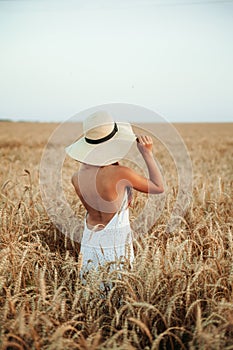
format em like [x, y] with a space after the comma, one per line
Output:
[100, 191]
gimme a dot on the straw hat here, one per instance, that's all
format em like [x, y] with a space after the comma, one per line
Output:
[104, 141]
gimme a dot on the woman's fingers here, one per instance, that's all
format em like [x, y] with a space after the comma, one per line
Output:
[148, 139]
[144, 139]
[144, 143]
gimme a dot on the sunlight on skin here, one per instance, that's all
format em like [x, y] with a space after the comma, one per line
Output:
[92, 197]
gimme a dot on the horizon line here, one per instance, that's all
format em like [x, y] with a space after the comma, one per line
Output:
[136, 122]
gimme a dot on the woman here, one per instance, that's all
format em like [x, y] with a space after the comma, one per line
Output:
[104, 186]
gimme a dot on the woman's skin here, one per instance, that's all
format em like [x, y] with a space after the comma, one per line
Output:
[102, 198]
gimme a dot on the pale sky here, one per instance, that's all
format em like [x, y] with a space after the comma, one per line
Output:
[60, 57]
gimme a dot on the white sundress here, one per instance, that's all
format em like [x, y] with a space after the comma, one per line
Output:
[115, 240]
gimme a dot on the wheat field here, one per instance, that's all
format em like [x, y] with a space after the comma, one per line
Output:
[179, 294]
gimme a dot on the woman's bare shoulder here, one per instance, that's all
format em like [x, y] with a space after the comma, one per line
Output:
[74, 176]
[74, 179]
[124, 170]
[110, 173]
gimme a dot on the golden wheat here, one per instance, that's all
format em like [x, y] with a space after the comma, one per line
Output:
[177, 296]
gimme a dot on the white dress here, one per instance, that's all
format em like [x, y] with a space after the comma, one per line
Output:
[115, 240]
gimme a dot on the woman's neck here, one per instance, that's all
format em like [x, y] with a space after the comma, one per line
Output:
[84, 166]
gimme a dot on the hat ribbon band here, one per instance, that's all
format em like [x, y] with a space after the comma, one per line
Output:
[105, 138]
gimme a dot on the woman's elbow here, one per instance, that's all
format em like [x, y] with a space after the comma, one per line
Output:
[157, 190]
[161, 189]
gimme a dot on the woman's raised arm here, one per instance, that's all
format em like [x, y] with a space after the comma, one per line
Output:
[129, 177]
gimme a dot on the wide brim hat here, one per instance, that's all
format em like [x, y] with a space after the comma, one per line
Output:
[104, 140]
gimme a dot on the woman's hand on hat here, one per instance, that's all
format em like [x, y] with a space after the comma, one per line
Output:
[144, 144]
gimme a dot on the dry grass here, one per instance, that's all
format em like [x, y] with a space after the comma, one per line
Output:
[179, 294]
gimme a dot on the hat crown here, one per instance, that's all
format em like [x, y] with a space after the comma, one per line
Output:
[98, 125]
